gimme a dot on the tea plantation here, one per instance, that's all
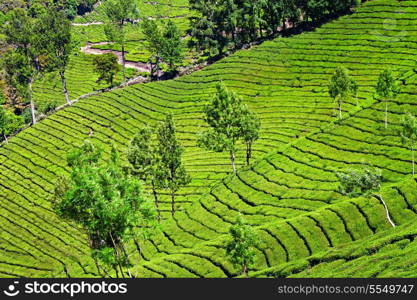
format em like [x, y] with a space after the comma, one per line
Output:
[290, 192]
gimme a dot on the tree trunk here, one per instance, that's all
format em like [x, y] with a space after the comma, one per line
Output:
[248, 152]
[412, 152]
[245, 270]
[64, 87]
[155, 195]
[127, 258]
[117, 255]
[232, 158]
[172, 203]
[386, 113]
[5, 138]
[340, 107]
[260, 30]
[32, 104]
[157, 69]
[123, 61]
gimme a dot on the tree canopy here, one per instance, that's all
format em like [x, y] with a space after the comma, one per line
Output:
[387, 88]
[219, 25]
[169, 151]
[118, 13]
[241, 247]
[106, 201]
[230, 121]
[106, 66]
[341, 86]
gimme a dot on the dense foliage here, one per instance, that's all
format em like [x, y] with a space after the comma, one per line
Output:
[220, 24]
[164, 43]
[230, 121]
[359, 182]
[241, 247]
[105, 201]
[106, 66]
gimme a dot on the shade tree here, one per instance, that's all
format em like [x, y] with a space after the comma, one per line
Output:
[107, 202]
[119, 13]
[164, 42]
[25, 58]
[229, 122]
[240, 248]
[106, 66]
[341, 87]
[172, 173]
[145, 162]
[54, 30]
[387, 88]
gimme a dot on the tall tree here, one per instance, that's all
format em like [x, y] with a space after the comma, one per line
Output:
[172, 46]
[105, 201]
[55, 30]
[207, 28]
[273, 15]
[119, 13]
[144, 161]
[388, 89]
[409, 133]
[342, 86]
[224, 116]
[250, 126]
[154, 43]
[240, 248]
[290, 12]
[170, 153]
[26, 58]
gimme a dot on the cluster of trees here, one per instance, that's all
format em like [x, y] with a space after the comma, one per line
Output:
[106, 198]
[216, 25]
[107, 202]
[164, 42]
[229, 121]
[157, 162]
[70, 7]
[342, 86]
[9, 122]
[37, 42]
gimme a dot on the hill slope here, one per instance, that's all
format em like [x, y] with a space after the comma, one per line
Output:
[290, 193]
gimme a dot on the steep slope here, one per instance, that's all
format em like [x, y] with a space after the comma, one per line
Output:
[290, 192]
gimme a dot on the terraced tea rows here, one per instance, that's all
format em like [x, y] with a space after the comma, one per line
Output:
[81, 78]
[290, 193]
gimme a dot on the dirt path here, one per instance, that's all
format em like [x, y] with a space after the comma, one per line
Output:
[88, 49]
[87, 24]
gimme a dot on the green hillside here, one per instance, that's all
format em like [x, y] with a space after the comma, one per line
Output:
[289, 193]
[89, 28]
